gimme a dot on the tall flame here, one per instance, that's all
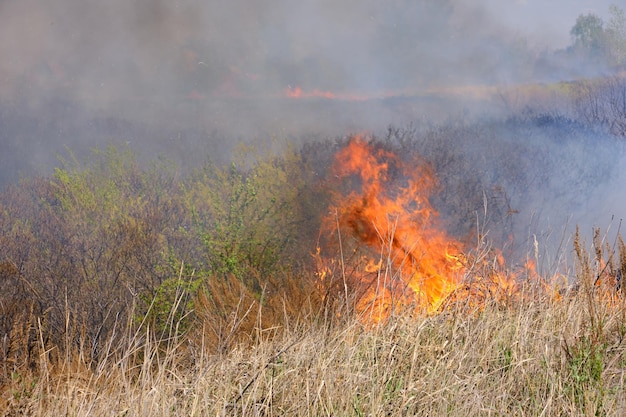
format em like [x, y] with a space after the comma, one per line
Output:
[389, 212]
[411, 262]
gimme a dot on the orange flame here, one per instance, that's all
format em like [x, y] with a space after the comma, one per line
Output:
[401, 257]
[299, 93]
[390, 213]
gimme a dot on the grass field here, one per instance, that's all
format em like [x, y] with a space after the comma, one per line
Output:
[316, 283]
[537, 357]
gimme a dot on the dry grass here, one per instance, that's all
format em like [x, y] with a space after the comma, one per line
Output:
[537, 357]
[293, 348]
[282, 345]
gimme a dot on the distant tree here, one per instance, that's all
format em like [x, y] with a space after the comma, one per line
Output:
[592, 39]
[589, 36]
[616, 36]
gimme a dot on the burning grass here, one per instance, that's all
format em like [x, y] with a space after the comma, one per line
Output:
[201, 297]
[538, 357]
[402, 256]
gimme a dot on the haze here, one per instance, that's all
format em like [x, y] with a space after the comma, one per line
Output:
[172, 75]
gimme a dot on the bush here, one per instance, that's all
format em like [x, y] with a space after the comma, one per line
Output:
[103, 242]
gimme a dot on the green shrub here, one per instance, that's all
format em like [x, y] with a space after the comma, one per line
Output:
[248, 218]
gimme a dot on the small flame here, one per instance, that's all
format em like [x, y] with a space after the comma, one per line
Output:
[299, 93]
[293, 92]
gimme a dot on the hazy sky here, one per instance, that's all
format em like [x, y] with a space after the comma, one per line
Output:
[187, 78]
[73, 71]
[545, 21]
[161, 50]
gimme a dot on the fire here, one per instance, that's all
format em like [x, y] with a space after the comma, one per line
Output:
[292, 92]
[394, 255]
[389, 212]
[299, 93]
[409, 261]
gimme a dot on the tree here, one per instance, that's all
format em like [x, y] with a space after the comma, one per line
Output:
[593, 40]
[616, 36]
[589, 36]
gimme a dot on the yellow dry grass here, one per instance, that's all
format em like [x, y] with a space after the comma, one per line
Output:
[537, 357]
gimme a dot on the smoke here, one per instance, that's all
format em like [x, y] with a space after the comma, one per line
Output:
[162, 53]
[525, 183]
[189, 78]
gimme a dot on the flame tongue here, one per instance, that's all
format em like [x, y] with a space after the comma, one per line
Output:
[390, 213]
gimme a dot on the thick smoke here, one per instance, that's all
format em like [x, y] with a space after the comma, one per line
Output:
[189, 78]
[100, 52]
[145, 60]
